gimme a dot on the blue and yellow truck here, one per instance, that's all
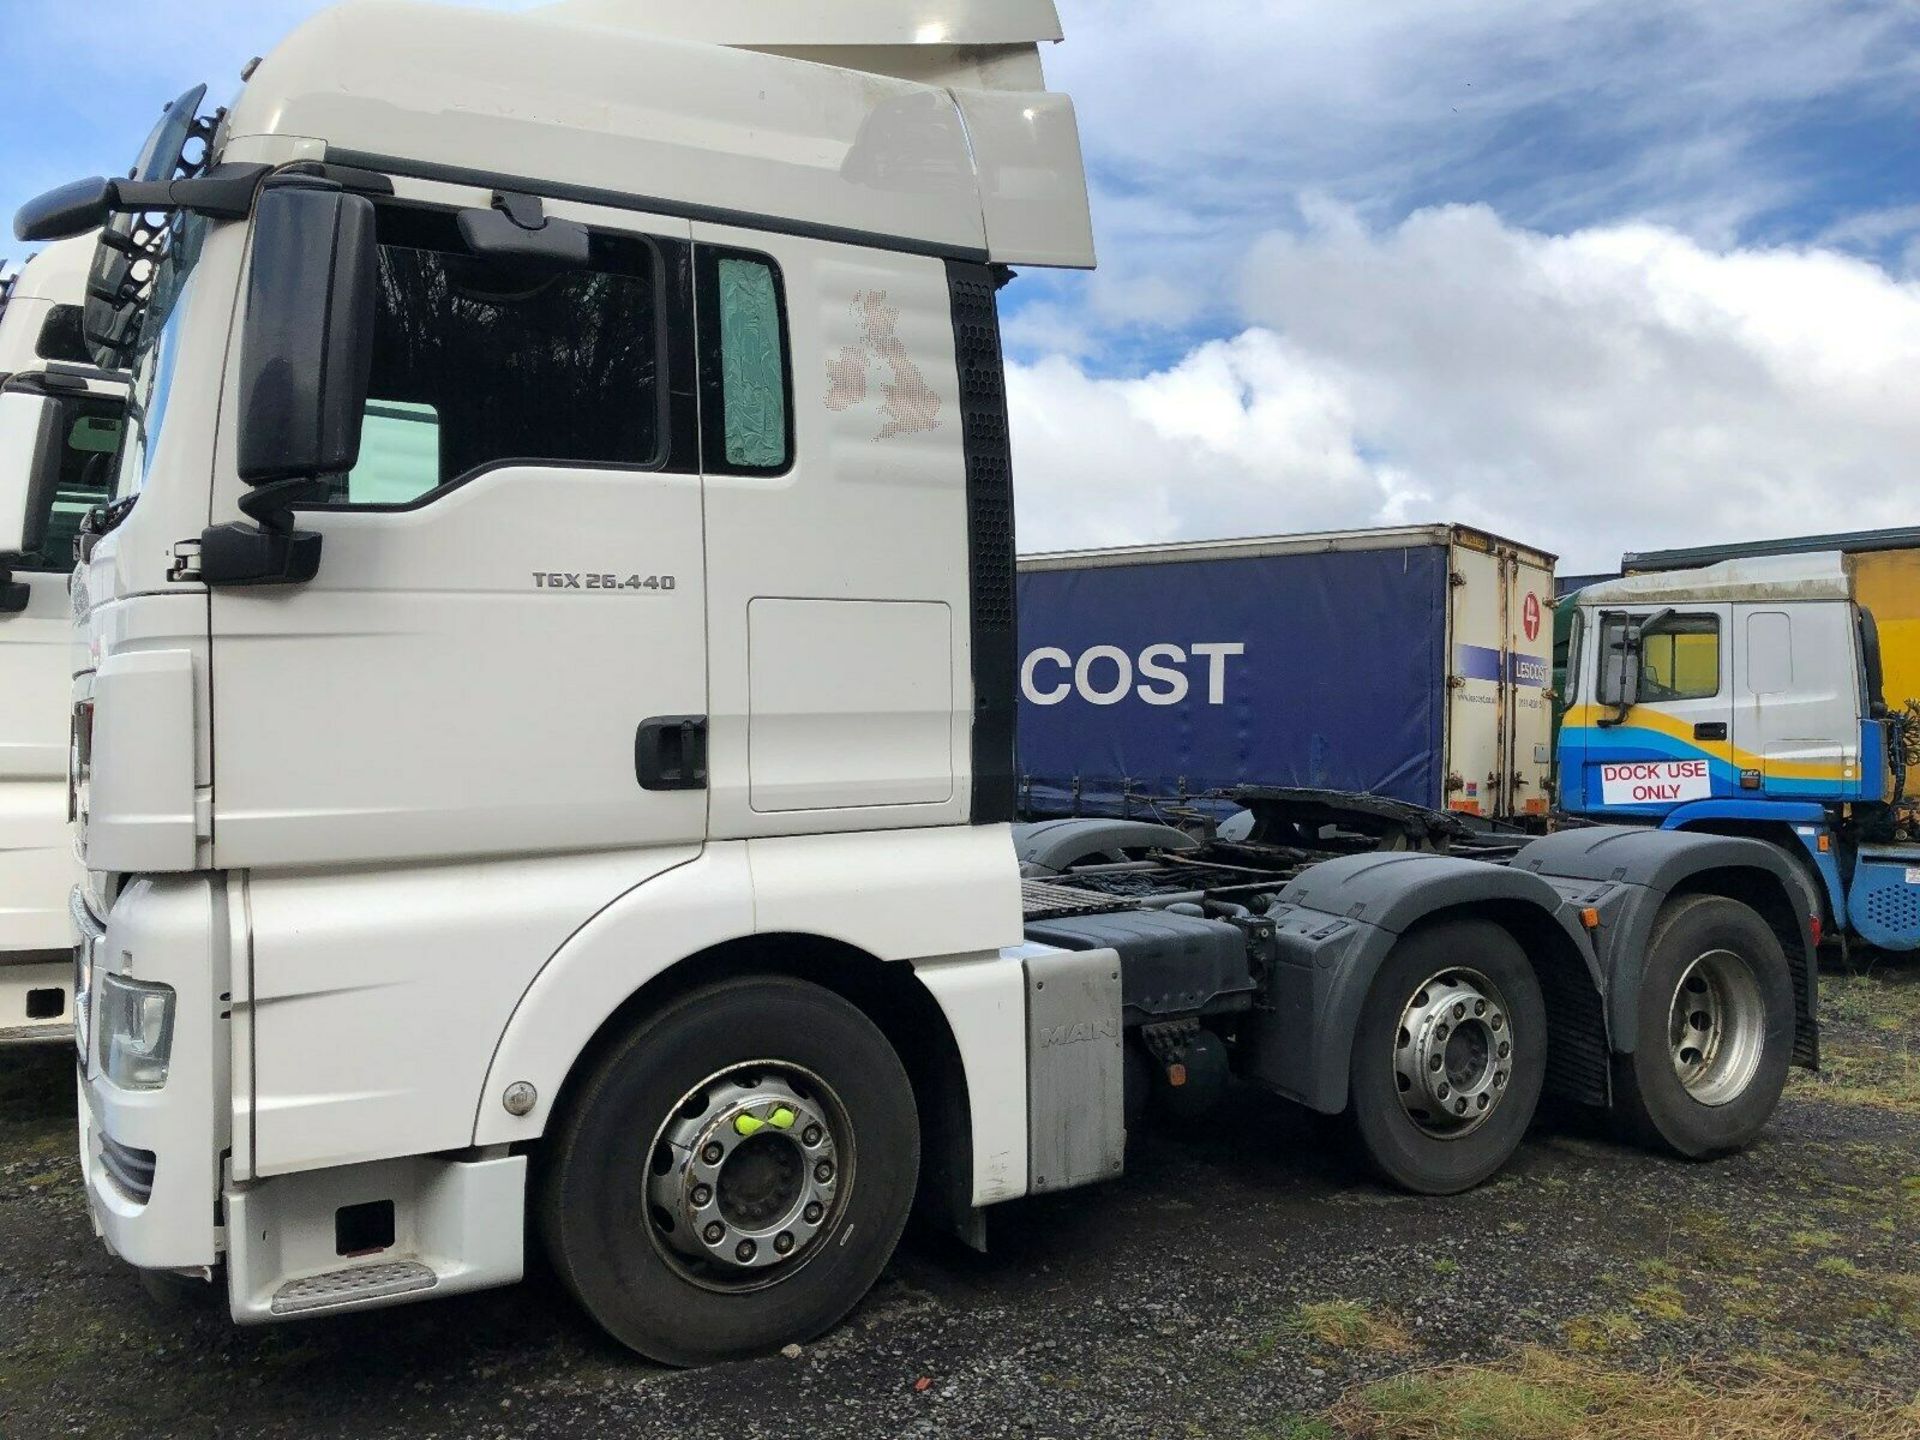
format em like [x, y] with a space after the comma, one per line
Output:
[1754, 697]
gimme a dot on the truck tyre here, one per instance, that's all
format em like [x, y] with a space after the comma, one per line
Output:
[1715, 1032]
[1448, 1058]
[734, 1173]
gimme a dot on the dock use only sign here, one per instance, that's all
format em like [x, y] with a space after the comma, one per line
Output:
[1655, 782]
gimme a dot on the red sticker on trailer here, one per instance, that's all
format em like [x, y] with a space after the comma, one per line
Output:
[1530, 616]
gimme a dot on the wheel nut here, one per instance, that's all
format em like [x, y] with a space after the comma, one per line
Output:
[810, 1135]
[1459, 1011]
[715, 1233]
[1460, 1107]
[1439, 1034]
[1505, 1049]
[812, 1213]
[823, 1172]
[1482, 1102]
[712, 1152]
[1499, 1077]
[1444, 1090]
[1435, 1063]
[783, 1242]
[1498, 1020]
[702, 1196]
[744, 1251]
[1479, 1007]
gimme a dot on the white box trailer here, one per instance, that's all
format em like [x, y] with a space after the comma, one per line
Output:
[1410, 662]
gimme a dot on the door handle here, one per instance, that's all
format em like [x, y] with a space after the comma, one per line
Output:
[1710, 730]
[670, 753]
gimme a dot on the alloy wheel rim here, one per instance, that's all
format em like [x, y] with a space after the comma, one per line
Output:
[748, 1174]
[1453, 1053]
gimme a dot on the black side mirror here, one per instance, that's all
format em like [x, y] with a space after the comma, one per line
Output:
[73, 209]
[307, 346]
[306, 351]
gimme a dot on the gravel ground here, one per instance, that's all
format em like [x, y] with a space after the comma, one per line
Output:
[1167, 1304]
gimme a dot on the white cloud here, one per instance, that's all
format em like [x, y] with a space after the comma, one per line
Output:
[1616, 388]
[1203, 121]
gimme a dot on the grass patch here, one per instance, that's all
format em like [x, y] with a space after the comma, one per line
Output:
[1883, 1075]
[1662, 1302]
[1870, 1043]
[1603, 1334]
[1299, 1427]
[1349, 1325]
[1883, 999]
[1837, 1265]
[1444, 1266]
[1543, 1396]
[1813, 1239]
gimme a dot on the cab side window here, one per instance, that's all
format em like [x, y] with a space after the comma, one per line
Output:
[1681, 660]
[745, 380]
[86, 478]
[476, 364]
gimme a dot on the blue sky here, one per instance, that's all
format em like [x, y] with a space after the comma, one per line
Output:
[1332, 229]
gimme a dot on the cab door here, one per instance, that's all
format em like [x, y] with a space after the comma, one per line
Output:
[1674, 745]
[1798, 725]
[511, 583]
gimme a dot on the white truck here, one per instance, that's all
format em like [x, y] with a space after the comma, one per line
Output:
[43, 353]
[544, 723]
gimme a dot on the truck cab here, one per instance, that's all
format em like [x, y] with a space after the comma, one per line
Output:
[543, 712]
[1741, 697]
[60, 418]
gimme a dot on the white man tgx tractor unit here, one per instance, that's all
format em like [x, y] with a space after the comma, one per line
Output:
[544, 736]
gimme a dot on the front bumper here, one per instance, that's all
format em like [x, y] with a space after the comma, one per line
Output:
[152, 1159]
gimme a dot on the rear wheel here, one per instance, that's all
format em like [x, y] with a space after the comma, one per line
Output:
[734, 1174]
[1449, 1057]
[1715, 1034]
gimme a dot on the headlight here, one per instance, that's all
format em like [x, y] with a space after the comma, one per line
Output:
[136, 1032]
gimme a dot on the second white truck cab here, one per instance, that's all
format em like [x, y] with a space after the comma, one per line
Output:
[544, 714]
[46, 374]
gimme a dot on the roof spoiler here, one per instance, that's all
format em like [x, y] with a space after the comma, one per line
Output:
[985, 53]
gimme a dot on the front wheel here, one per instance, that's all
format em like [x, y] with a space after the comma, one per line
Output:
[734, 1174]
[1449, 1057]
[1715, 1037]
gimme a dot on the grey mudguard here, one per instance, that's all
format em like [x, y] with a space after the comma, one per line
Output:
[1335, 924]
[1626, 873]
[1051, 846]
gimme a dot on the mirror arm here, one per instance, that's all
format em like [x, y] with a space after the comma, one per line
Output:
[224, 193]
[271, 504]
